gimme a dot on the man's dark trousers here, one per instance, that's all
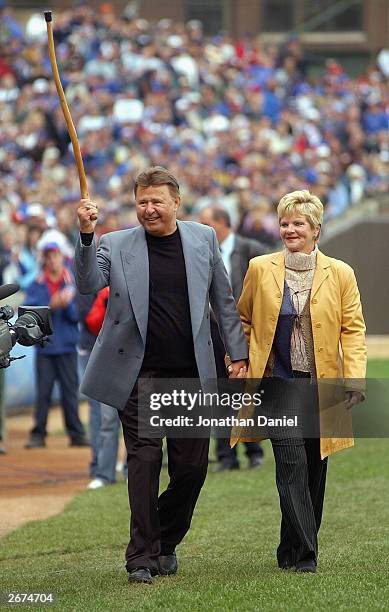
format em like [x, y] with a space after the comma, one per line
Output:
[158, 524]
[63, 368]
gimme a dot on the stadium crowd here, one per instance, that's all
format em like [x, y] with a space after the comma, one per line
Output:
[240, 123]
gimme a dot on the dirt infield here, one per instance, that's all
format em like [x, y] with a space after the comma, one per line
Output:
[36, 484]
[377, 347]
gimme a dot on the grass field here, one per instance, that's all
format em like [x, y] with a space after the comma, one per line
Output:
[227, 561]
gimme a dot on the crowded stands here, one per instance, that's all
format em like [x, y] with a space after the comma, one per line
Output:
[239, 122]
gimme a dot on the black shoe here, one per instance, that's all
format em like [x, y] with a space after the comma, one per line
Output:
[307, 566]
[255, 461]
[225, 466]
[167, 564]
[35, 441]
[140, 574]
[80, 441]
[285, 565]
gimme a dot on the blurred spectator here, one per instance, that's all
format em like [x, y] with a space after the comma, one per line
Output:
[6, 244]
[258, 223]
[236, 253]
[58, 360]
[375, 118]
[2, 413]
[356, 175]
[27, 261]
[10, 28]
[104, 422]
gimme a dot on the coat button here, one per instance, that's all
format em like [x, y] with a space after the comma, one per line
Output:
[116, 322]
[318, 324]
[117, 294]
[320, 349]
[314, 301]
[121, 351]
[209, 343]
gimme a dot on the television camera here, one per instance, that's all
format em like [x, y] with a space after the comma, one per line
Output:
[33, 326]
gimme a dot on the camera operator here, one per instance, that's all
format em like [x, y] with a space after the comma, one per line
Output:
[2, 414]
[58, 360]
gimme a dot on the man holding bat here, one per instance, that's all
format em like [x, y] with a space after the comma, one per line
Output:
[163, 277]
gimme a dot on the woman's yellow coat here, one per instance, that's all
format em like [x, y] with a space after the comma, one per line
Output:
[338, 333]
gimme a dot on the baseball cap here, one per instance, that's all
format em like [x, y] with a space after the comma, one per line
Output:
[51, 246]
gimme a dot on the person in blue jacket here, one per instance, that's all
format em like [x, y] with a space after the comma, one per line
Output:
[57, 361]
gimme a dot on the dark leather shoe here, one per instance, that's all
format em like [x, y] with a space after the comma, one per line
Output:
[167, 564]
[307, 566]
[80, 441]
[36, 442]
[140, 574]
[285, 563]
[255, 461]
[225, 466]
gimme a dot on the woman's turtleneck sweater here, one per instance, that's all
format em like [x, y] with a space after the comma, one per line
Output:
[299, 272]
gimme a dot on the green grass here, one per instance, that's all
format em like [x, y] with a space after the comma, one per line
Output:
[378, 368]
[227, 561]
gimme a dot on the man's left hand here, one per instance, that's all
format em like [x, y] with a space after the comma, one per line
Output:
[237, 369]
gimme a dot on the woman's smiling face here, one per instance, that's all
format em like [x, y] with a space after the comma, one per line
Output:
[297, 233]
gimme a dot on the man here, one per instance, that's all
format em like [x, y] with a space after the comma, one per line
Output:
[2, 412]
[236, 253]
[58, 360]
[162, 277]
[104, 422]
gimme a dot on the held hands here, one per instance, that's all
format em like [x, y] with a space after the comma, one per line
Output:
[237, 369]
[353, 398]
[87, 216]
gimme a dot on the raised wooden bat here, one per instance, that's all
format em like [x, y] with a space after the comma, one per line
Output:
[66, 111]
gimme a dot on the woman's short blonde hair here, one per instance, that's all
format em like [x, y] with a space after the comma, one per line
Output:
[301, 203]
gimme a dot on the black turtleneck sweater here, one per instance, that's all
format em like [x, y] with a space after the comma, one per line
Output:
[169, 341]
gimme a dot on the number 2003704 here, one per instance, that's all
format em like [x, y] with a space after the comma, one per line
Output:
[16, 597]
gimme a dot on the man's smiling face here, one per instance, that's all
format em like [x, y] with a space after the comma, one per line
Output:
[156, 209]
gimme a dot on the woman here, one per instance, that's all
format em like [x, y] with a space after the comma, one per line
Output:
[297, 307]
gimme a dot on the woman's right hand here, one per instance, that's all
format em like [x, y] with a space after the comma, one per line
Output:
[87, 216]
